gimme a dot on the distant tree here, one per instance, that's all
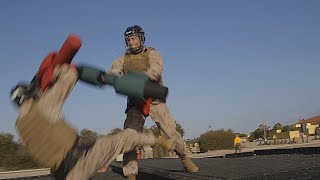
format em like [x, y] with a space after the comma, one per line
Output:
[277, 126]
[215, 140]
[8, 150]
[157, 150]
[14, 156]
[7, 142]
[258, 133]
[251, 137]
[243, 135]
[265, 129]
[115, 131]
[156, 131]
[25, 161]
[87, 136]
[286, 128]
[180, 129]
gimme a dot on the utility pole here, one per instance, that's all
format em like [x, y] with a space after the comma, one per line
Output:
[264, 133]
[263, 127]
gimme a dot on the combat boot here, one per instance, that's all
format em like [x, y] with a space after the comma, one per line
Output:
[189, 165]
[131, 177]
[168, 144]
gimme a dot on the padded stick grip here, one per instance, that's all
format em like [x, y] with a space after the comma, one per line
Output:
[68, 50]
[156, 91]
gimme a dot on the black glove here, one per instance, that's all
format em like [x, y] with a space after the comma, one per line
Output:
[18, 93]
[23, 91]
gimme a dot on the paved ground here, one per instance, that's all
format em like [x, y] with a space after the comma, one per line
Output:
[108, 175]
[254, 146]
[255, 167]
[283, 164]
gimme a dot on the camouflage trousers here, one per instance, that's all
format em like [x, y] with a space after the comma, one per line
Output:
[237, 147]
[160, 114]
[106, 148]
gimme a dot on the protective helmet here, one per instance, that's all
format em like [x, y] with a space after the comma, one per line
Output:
[18, 93]
[134, 30]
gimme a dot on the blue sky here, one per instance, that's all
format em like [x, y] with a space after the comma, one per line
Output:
[228, 64]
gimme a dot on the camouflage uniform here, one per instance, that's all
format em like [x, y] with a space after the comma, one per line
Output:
[48, 108]
[152, 65]
[237, 144]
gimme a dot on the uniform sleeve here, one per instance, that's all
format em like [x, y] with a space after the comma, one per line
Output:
[156, 66]
[117, 66]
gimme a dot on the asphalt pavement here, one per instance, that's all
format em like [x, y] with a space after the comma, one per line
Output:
[283, 166]
[281, 162]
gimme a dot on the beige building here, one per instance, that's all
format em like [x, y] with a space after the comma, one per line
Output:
[311, 125]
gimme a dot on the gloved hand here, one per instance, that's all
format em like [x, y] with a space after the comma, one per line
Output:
[18, 93]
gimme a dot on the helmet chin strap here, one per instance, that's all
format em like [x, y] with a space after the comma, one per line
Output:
[136, 50]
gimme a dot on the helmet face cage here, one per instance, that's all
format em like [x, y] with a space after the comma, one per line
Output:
[134, 31]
